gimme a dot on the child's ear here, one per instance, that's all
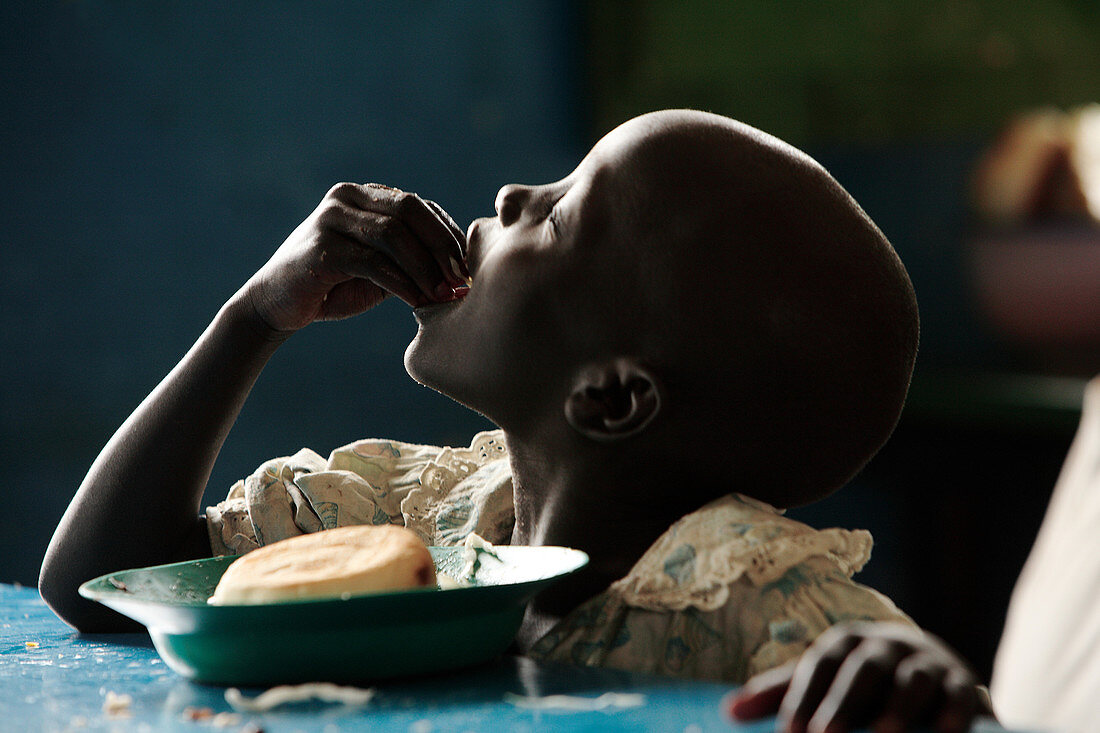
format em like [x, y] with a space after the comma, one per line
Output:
[613, 400]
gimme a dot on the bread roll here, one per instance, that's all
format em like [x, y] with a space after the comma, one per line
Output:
[328, 564]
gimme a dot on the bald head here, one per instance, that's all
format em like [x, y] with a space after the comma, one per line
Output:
[778, 315]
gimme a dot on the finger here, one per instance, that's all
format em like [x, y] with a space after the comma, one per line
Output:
[429, 229]
[379, 269]
[961, 702]
[813, 676]
[860, 687]
[380, 233]
[761, 695]
[917, 683]
[423, 217]
[459, 232]
[351, 298]
[356, 261]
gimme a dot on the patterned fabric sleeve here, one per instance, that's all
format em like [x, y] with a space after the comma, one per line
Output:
[443, 494]
[757, 628]
[728, 591]
[809, 598]
[264, 507]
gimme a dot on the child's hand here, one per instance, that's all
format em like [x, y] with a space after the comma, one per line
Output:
[362, 243]
[885, 675]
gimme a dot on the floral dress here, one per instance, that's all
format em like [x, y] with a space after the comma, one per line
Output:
[729, 590]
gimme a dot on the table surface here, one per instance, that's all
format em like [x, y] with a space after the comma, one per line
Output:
[54, 679]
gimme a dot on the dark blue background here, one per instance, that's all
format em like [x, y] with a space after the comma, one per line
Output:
[155, 154]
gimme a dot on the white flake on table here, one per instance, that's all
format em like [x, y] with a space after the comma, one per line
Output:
[116, 705]
[325, 691]
[575, 703]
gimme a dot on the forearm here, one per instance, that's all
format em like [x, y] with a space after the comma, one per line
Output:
[139, 503]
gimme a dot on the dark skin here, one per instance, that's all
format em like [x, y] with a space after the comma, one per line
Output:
[585, 412]
[884, 676]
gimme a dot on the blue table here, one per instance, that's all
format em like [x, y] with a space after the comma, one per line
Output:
[53, 679]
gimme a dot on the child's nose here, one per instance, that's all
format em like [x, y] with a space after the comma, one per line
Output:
[511, 200]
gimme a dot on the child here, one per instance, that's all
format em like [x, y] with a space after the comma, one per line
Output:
[695, 326]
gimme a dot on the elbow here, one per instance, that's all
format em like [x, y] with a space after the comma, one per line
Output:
[58, 581]
[59, 590]
[60, 595]
[58, 598]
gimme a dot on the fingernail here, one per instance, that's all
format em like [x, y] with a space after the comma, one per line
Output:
[733, 703]
[457, 270]
[453, 294]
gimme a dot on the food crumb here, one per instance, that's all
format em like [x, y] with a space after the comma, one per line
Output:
[225, 720]
[446, 582]
[190, 713]
[283, 694]
[32, 644]
[608, 700]
[471, 546]
[117, 706]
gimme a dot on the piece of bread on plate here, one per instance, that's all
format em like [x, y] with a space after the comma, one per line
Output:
[333, 563]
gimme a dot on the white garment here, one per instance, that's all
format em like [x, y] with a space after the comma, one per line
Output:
[1047, 671]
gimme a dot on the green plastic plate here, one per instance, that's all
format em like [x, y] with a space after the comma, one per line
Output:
[355, 639]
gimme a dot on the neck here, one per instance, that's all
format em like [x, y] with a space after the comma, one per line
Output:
[589, 498]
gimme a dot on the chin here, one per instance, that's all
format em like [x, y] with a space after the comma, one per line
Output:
[430, 369]
[415, 363]
[445, 372]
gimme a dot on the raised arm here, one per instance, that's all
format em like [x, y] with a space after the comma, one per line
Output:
[361, 244]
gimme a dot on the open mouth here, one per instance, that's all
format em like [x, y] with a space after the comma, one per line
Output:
[459, 293]
[428, 311]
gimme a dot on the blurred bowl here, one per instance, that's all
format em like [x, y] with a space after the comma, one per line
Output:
[1039, 290]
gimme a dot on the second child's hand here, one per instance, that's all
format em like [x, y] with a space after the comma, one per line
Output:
[890, 677]
[362, 243]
